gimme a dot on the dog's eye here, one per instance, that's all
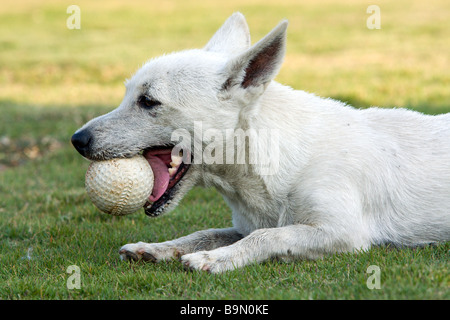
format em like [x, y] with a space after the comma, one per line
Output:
[147, 103]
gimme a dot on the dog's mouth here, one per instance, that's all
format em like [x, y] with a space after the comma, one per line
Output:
[168, 170]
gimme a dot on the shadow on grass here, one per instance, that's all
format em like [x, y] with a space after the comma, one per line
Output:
[29, 132]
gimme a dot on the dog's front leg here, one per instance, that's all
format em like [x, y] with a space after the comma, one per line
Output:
[294, 241]
[200, 240]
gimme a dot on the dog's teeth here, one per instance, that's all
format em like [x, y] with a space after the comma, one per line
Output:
[172, 171]
[176, 160]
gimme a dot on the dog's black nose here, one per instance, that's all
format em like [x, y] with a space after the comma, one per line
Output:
[81, 141]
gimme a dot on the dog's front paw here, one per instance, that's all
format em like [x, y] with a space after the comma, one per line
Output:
[151, 252]
[214, 261]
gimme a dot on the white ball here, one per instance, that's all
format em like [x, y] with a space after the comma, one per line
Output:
[119, 186]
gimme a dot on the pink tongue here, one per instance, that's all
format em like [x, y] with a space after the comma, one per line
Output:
[161, 175]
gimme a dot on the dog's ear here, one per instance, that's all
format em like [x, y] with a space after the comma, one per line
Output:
[259, 65]
[232, 38]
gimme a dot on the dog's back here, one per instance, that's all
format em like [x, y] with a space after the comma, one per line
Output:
[412, 156]
[396, 162]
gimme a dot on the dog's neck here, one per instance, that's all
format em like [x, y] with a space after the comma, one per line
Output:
[262, 124]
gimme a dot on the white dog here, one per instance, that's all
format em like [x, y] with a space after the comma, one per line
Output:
[345, 179]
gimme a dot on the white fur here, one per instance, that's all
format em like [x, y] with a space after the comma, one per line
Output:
[347, 179]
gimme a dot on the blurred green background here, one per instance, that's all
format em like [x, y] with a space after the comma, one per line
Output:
[53, 79]
[330, 49]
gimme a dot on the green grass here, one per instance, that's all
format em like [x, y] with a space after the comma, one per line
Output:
[52, 80]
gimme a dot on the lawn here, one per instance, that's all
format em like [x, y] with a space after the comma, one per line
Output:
[53, 79]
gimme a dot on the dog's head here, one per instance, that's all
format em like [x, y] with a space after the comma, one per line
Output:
[170, 94]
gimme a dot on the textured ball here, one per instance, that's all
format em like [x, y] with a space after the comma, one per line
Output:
[119, 186]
